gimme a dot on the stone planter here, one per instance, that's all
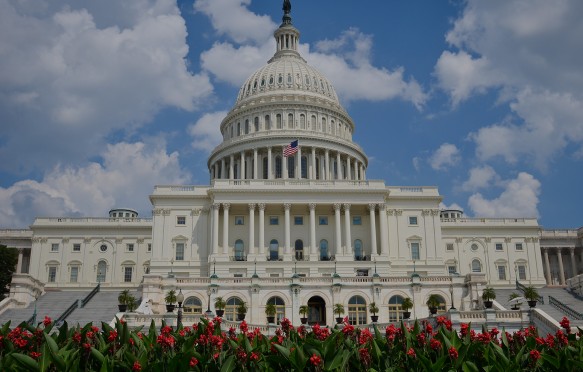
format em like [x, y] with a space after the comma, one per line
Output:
[406, 314]
[304, 320]
[488, 304]
[170, 307]
[220, 313]
[532, 303]
[339, 320]
[241, 317]
[122, 308]
[374, 318]
[271, 319]
[433, 310]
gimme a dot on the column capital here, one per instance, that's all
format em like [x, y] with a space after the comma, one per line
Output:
[261, 206]
[426, 212]
[372, 206]
[390, 212]
[337, 206]
[287, 206]
[216, 206]
[312, 206]
[398, 212]
[346, 207]
[226, 206]
[572, 250]
[382, 206]
[251, 206]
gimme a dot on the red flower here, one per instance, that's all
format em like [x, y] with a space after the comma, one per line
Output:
[193, 362]
[89, 334]
[315, 360]
[94, 329]
[535, 355]
[243, 327]
[435, 344]
[112, 336]
[364, 356]
[47, 321]
[411, 353]
[77, 337]
[254, 357]
[566, 324]
[365, 336]
[136, 366]
[166, 330]
[348, 329]
[35, 355]
[453, 354]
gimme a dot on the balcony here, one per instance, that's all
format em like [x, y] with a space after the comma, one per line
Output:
[238, 258]
[327, 258]
[361, 258]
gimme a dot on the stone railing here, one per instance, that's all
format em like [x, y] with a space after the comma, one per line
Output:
[489, 221]
[39, 220]
[544, 323]
[298, 183]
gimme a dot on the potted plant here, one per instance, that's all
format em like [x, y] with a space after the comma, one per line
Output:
[241, 311]
[433, 303]
[488, 295]
[304, 312]
[220, 305]
[407, 305]
[531, 295]
[131, 303]
[170, 300]
[515, 304]
[373, 308]
[270, 311]
[122, 300]
[339, 309]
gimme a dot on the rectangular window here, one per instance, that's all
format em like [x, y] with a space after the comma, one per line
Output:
[55, 247]
[412, 220]
[361, 272]
[415, 251]
[449, 246]
[181, 220]
[323, 220]
[239, 220]
[502, 272]
[518, 246]
[237, 275]
[130, 247]
[74, 274]
[149, 247]
[274, 275]
[179, 251]
[451, 269]
[499, 246]
[298, 220]
[52, 274]
[76, 247]
[274, 220]
[127, 274]
[522, 272]
[357, 220]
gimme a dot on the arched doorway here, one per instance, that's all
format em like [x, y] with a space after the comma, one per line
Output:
[317, 310]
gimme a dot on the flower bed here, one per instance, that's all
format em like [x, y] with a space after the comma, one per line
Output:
[204, 347]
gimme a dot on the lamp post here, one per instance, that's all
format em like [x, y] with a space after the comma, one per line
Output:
[180, 300]
[451, 294]
[208, 312]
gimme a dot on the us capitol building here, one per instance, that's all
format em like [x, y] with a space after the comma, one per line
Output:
[290, 224]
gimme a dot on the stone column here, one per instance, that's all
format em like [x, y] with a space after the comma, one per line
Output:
[252, 229]
[347, 233]
[313, 167]
[287, 247]
[547, 266]
[215, 170]
[384, 230]
[313, 243]
[215, 208]
[19, 263]
[269, 164]
[242, 167]
[283, 165]
[373, 230]
[573, 262]
[326, 165]
[561, 268]
[255, 167]
[338, 250]
[231, 167]
[223, 168]
[226, 207]
[261, 229]
[338, 166]
[348, 172]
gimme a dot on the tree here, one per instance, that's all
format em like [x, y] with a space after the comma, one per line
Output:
[8, 261]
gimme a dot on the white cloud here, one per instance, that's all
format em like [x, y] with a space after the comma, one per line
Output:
[75, 72]
[480, 178]
[519, 198]
[124, 180]
[206, 131]
[451, 206]
[445, 156]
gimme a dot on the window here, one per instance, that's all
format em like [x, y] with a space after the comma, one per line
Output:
[265, 168]
[279, 307]
[101, 271]
[274, 220]
[76, 247]
[323, 220]
[451, 269]
[324, 250]
[499, 246]
[52, 274]
[239, 250]
[476, 266]
[357, 310]
[127, 274]
[356, 220]
[273, 250]
[395, 308]
[304, 167]
[358, 253]
[239, 220]
[474, 247]
[441, 308]
[103, 248]
[361, 272]
[518, 246]
[298, 220]
[149, 247]
[55, 247]
[449, 247]
[291, 166]
[299, 249]
[415, 254]
[278, 167]
[74, 274]
[179, 252]
[412, 220]
[502, 272]
[130, 247]
[231, 308]
[192, 305]
[521, 272]
[181, 220]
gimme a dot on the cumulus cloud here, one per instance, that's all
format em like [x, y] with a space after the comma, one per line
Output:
[71, 73]
[480, 178]
[124, 179]
[206, 131]
[519, 199]
[451, 206]
[445, 156]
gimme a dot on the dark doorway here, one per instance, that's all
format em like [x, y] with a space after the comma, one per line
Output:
[317, 311]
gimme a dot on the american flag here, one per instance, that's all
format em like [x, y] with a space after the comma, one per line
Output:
[291, 149]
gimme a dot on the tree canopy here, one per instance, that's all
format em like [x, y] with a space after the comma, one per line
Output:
[8, 260]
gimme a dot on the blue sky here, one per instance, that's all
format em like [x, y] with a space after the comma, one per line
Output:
[100, 101]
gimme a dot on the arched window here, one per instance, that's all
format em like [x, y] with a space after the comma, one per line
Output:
[239, 250]
[396, 308]
[304, 167]
[273, 250]
[324, 125]
[278, 121]
[476, 266]
[279, 307]
[278, 167]
[302, 121]
[317, 168]
[101, 271]
[441, 308]
[231, 308]
[247, 126]
[313, 124]
[333, 127]
[267, 123]
[192, 305]
[358, 253]
[324, 250]
[357, 310]
[291, 166]
[299, 248]
[265, 168]
[256, 124]
[290, 121]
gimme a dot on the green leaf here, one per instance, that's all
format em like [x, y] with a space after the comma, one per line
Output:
[44, 360]
[54, 350]
[469, 367]
[335, 363]
[97, 354]
[229, 364]
[25, 361]
[283, 350]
